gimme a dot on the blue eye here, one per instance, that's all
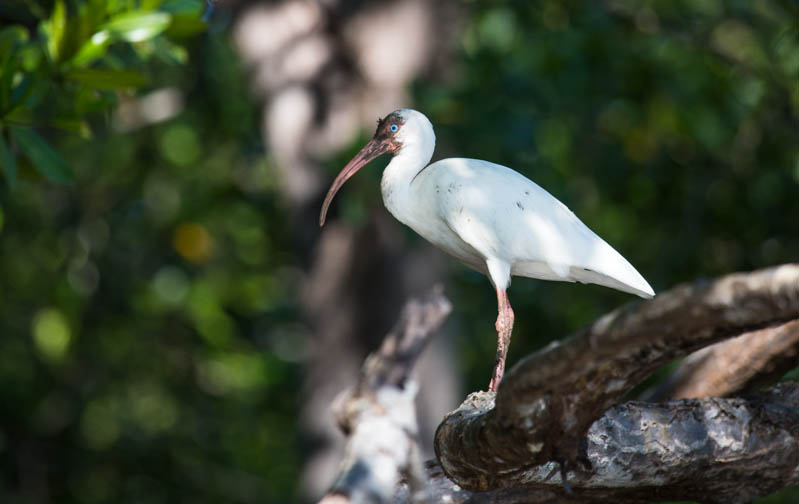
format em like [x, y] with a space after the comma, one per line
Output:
[393, 128]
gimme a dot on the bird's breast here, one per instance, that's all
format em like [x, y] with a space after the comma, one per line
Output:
[417, 206]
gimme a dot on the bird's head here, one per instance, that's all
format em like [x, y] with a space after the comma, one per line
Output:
[401, 128]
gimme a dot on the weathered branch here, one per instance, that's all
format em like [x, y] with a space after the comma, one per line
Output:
[737, 366]
[379, 416]
[711, 450]
[547, 402]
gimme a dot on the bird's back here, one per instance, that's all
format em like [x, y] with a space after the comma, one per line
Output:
[506, 217]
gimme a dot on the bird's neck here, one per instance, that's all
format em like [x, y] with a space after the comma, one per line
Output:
[398, 175]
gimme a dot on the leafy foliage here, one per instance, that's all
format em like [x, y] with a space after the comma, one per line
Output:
[62, 74]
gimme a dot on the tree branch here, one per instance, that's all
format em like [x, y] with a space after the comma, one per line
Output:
[711, 450]
[379, 416]
[547, 402]
[736, 366]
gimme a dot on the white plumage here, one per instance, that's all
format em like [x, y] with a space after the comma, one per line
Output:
[488, 216]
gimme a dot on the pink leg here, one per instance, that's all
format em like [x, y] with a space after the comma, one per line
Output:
[504, 328]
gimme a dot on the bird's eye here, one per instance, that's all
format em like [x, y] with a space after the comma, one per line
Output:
[393, 128]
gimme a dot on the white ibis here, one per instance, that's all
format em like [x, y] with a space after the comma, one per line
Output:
[489, 217]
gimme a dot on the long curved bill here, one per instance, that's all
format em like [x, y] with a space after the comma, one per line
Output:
[370, 151]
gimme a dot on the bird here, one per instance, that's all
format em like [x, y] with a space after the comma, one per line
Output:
[488, 216]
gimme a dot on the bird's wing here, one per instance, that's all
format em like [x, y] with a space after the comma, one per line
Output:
[508, 218]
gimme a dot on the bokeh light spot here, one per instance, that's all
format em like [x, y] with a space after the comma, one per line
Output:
[232, 372]
[51, 334]
[735, 40]
[289, 343]
[498, 29]
[193, 242]
[83, 278]
[180, 145]
[153, 410]
[209, 318]
[751, 91]
[161, 198]
[99, 424]
[171, 284]
[215, 327]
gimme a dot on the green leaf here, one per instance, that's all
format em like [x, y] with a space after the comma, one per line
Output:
[138, 26]
[90, 101]
[21, 91]
[30, 57]
[169, 52]
[30, 91]
[91, 13]
[11, 36]
[92, 49]
[71, 124]
[20, 116]
[38, 88]
[108, 79]
[185, 25]
[7, 162]
[149, 5]
[47, 161]
[55, 30]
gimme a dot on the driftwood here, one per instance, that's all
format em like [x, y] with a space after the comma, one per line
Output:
[539, 426]
[379, 417]
[558, 430]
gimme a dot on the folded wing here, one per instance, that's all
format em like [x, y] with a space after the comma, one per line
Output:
[509, 219]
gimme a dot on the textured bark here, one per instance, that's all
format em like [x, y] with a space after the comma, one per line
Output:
[379, 416]
[737, 366]
[708, 450]
[547, 402]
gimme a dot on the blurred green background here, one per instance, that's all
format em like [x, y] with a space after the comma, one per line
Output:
[152, 340]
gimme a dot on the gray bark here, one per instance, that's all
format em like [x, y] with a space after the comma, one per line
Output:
[539, 425]
[708, 450]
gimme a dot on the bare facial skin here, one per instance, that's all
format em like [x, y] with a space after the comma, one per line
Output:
[385, 140]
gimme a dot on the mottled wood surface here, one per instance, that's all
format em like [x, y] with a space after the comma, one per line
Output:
[539, 425]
